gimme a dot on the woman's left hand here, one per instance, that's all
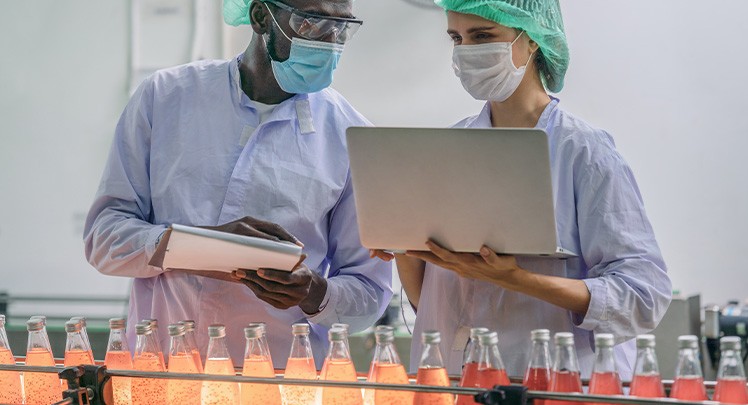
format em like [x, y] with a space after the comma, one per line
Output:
[488, 266]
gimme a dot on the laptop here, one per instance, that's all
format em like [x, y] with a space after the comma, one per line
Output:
[463, 188]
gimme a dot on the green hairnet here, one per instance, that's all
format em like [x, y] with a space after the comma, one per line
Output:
[540, 19]
[236, 12]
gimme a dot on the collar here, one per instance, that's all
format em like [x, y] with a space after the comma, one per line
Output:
[483, 119]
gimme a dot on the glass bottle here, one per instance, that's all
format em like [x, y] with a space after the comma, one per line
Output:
[491, 369]
[647, 381]
[84, 333]
[565, 373]
[470, 365]
[40, 388]
[219, 362]
[77, 351]
[386, 368]
[605, 379]
[338, 366]
[118, 358]
[689, 380]
[538, 373]
[431, 371]
[300, 366]
[157, 338]
[731, 388]
[181, 360]
[258, 363]
[147, 390]
[191, 342]
[10, 381]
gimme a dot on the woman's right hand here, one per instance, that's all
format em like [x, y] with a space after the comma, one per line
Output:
[381, 254]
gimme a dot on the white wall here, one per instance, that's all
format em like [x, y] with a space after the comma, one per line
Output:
[666, 82]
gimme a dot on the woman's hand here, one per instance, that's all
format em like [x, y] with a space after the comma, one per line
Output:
[381, 254]
[488, 266]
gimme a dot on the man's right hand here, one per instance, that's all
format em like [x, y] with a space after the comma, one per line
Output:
[257, 228]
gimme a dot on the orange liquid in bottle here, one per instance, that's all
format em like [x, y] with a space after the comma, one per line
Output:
[647, 386]
[689, 389]
[469, 379]
[299, 369]
[182, 391]
[10, 381]
[115, 360]
[388, 374]
[41, 388]
[565, 381]
[432, 376]
[537, 379]
[340, 370]
[259, 393]
[219, 393]
[731, 391]
[198, 361]
[607, 383]
[148, 390]
[77, 358]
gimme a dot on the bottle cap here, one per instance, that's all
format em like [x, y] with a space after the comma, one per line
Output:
[604, 340]
[254, 331]
[343, 326]
[384, 335]
[262, 326]
[117, 323]
[176, 329]
[644, 341]
[337, 334]
[2, 321]
[688, 342]
[540, 334]
[384, 327]
[34, 324]
[730, 343]
[81, 319]
[216, 331]
[299, 328]
[72, 326]
[143, 328]
[488, 339]
[564, 339]
[475, 332]
[42, 317]
[189, 325]
[152, 322]
[431, 337]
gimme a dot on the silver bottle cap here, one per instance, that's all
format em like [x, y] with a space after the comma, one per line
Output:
[337, 334]
[688, 342]
[543, 335]
[143, 328]
[189, 325]
[117, 323]
[604, 340]
[254, 331]
[300, 328]
[152, 322]
[262, 326]
[488, 339]
[475, 332]
[564, 338]
[216, 331]
[730, 343]
[73, 326]
[176, 329]
[34, 324]
[384, 335]
[81, 319]
[644, 341]
[343, 326]
[2, 321]
[42, 317]
[431, 337]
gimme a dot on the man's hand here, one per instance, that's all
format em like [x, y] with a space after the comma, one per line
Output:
[284, 290]
[249, 226]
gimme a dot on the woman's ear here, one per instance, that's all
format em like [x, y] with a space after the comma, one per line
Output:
[533, 46]
[258, 17]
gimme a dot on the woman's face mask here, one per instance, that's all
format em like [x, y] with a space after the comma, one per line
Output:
[487, 71]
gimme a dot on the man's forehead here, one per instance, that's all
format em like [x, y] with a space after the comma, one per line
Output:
[332, 8]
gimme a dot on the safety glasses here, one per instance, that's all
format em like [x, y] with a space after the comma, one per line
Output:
[320, 28]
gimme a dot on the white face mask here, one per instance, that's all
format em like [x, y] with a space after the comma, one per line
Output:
[487, 71]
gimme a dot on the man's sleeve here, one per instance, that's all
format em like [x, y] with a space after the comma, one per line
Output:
[627, 279]
[119, 239]
[359, 287]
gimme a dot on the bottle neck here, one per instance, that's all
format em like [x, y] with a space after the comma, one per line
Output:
[38, 340]
[386, 353]
[117, 341]
[490, 358]
[688, 364]
[646, 362]
[301, 348]
[147, 344]
[730, 365]
[4, 344]
[76, 342]
[217, 348]
[604, 361]
[257, 349]
[540, 355]
[431, 357]
[178, 346]
[472, 352]
[566, 359]
[338, 350]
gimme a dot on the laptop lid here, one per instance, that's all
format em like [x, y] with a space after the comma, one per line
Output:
[461, 187]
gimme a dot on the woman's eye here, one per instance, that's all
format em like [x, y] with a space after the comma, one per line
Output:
[456, 39]
[481, 35]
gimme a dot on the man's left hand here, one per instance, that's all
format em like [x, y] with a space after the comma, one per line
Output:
[283, 289]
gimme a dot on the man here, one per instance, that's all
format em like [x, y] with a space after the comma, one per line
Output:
[223, 144]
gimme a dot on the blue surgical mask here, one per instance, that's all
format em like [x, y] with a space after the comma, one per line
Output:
[309, 67]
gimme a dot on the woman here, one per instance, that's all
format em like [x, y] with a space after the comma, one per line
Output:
[508, 53]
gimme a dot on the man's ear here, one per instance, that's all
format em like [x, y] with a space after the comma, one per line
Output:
[259, 18]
